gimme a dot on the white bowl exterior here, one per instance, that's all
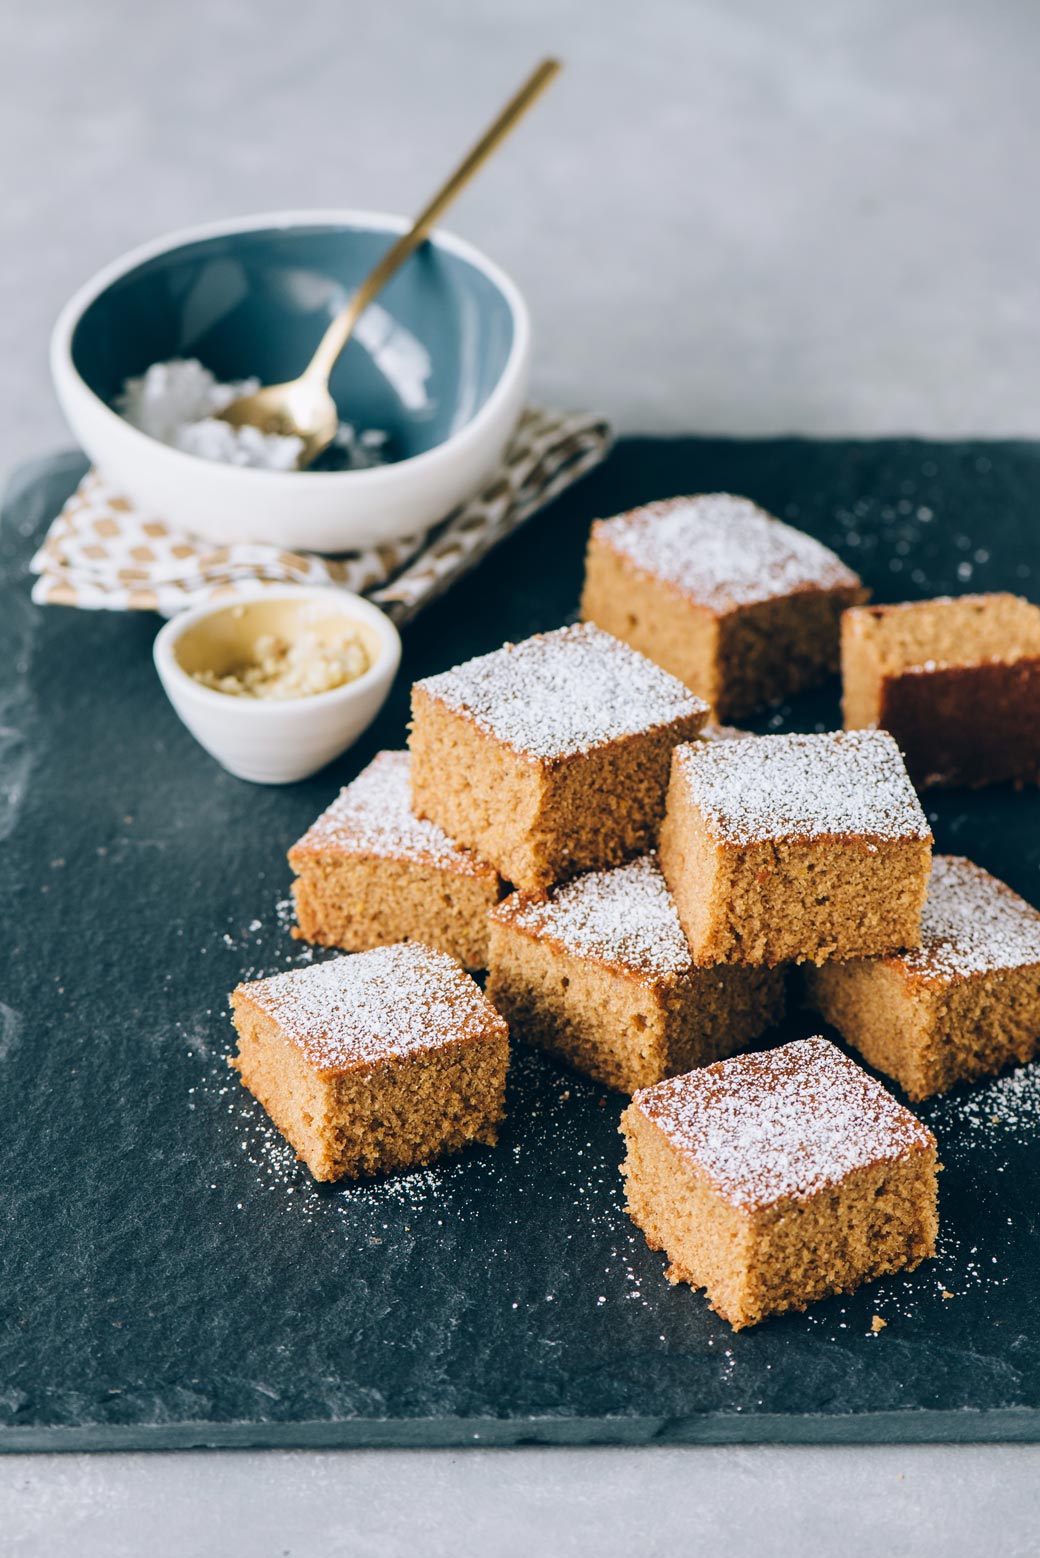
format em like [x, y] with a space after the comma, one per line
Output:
[331, 512]
[328, 511]
[274, 742]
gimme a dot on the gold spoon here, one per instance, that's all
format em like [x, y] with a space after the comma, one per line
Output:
[303, 407]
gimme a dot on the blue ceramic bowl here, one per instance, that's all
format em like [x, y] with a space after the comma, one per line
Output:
[439, 364]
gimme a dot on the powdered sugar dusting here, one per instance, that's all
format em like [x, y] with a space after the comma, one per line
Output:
[723, 551]
[1002, 1113]
[392, 1001]
[770, 787]
[624, 916]
[714, 732]
[972, 924]
[373, 816]
[783, 1124]
[562, 693]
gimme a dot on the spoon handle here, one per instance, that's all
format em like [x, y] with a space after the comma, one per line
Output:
[339, 330]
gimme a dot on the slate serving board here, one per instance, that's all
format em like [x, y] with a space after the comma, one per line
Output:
[169, 1276]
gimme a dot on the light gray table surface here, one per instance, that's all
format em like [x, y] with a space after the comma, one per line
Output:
[749, 217]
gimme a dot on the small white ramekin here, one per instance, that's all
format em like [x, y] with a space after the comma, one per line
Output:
[278, 742]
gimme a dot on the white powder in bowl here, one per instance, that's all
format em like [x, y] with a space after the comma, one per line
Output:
[175, 402]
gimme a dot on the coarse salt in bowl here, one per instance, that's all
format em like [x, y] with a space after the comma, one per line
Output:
[277, 739]
[431, 385]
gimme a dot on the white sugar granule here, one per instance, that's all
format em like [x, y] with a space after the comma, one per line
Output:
[1001, 1113]
[723, 551]
[175, 402]
[388, 1002]
[785, 1123]
[773, 787]
[374, 816]
[972, 924]
[625, 915]
[561, 693]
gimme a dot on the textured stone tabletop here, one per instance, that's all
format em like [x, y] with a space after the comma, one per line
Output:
[742, 217]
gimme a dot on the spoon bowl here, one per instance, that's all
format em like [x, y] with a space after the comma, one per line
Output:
[301, 408]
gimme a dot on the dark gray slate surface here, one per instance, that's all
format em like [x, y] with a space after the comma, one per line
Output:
[169, 1276]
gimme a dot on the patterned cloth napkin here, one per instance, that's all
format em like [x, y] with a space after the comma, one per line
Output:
[102, 554]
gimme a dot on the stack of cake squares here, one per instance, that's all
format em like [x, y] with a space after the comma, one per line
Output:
[639, 882]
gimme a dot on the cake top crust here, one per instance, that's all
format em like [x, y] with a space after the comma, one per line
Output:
[624, 917]
[563, 693]
[373, 816]
[782, 1125]
[918, 637]
[972, 924]
[723, 552]
[373, 1006]
[838, 784]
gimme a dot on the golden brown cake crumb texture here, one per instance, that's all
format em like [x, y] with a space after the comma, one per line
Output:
[551, 756]
[795, 848]
[373, 1063]
[599, 973]
[775, 1179]
[370, 873]
[945, 631]
[957, 681]
[961, 1006]
[742, 608]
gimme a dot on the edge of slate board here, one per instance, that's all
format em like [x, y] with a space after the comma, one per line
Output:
[966, 1426]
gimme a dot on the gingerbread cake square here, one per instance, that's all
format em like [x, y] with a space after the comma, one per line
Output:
[370, 873]
[549, 757]
[962, 1005]
[772, 1180]
[373, 1063]
[957, 682]
[795, 848]
[742, 608]
[599, 973]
